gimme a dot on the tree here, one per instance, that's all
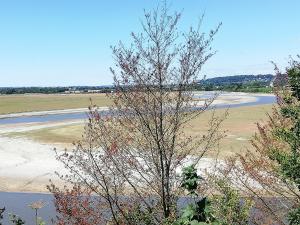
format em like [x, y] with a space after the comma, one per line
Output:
[136, 149]
[271, 174]
[76, 206]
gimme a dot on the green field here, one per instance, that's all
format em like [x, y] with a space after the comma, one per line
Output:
[240, 126]
[44, 102]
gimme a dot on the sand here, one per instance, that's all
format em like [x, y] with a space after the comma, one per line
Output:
[26, 165]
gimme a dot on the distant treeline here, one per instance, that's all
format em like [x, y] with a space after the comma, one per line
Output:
[55, 90]
[240, 79]
[241, 83]
[23, 90]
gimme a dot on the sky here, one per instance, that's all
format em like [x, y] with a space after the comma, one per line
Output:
[67, 42]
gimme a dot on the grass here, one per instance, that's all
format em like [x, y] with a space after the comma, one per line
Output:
[44, 102]
[63, 135]
[240, 125]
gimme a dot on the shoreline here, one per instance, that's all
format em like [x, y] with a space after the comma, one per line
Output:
[49, 112]
[224, 98]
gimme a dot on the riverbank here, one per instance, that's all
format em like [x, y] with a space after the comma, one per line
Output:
[33, 105]
[223, 100]
[29, 159]
[26, 148]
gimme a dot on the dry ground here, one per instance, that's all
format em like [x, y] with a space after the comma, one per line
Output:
[240, 126]
[30, 160]
[45, 102]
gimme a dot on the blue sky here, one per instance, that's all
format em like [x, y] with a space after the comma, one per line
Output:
[67, 42]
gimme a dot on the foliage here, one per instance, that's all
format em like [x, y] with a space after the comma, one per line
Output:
[16, 220]
[274, 169]
[76, 206]
[190, 179]
[40, 221]
[196, 212]
[135, 213]
[225, 208]
[1, 214]
[289, 160]
[294, 216]
[228, 207]
[294, 78]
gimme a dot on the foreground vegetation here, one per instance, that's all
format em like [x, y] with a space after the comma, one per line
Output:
[137, 151]
[275, 165]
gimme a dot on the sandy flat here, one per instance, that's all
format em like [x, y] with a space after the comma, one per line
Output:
[23, 127]
[228, 98]
[26, 165]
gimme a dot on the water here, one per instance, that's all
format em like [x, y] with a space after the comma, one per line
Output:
[261, 100]
[81, 115]
[17, 203]
[43, 118]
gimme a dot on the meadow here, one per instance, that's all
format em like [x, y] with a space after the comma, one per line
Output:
[45, 102]
[240, 126]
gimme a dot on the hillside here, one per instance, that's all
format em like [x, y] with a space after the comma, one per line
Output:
[238, 83]
[265, 79]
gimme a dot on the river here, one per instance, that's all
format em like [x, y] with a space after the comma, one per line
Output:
[260, 100]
